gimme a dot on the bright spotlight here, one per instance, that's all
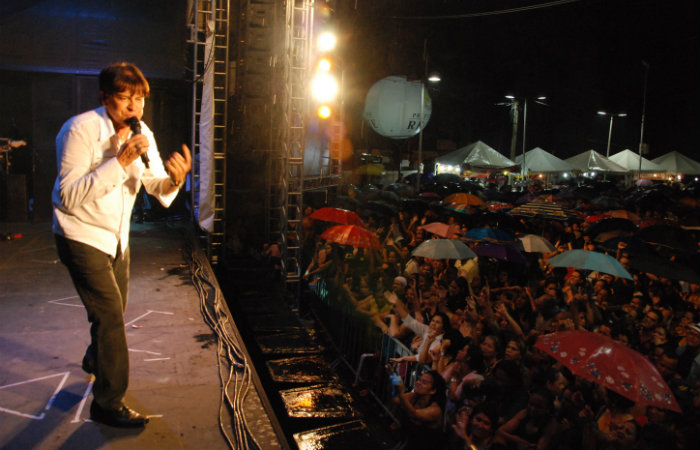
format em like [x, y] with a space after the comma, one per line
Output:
[324, 65]
[326, 41]
[324, 87]
[324, 112]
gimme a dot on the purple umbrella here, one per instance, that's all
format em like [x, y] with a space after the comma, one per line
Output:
[502, 252]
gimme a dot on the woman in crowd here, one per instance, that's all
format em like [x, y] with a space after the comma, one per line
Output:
[422, 412]
[533, 427]
[475, 430]
[491, 351]
[444, 360]
[431, 334]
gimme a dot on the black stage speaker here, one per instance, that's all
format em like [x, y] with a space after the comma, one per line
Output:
[13, 198]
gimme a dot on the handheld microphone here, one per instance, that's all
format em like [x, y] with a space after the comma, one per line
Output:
[135, 125]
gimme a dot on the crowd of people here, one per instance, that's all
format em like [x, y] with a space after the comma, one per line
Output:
[474, 323]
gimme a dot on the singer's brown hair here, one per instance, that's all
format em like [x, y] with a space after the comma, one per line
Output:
[123, 76]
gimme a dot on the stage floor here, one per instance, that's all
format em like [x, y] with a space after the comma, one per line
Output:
[45, 395]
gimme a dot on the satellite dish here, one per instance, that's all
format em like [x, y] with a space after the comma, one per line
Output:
[392, 107]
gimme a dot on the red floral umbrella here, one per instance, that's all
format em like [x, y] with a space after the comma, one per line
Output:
[337, 215]
[495, 206]
[352, 235]
[611, 364]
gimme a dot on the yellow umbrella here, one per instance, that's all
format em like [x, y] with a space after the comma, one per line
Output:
[464, 199]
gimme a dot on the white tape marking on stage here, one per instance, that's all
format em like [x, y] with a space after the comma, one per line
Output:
[55, 393]
[147, 313]
[144, 351]
[81, 406]
[59, 300]
[50, 402]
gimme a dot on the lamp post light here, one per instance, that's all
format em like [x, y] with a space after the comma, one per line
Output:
[434, 77]
[612, 116]
[514, 106]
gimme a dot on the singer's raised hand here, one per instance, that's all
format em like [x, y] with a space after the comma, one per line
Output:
[179, 165]
[132, 149]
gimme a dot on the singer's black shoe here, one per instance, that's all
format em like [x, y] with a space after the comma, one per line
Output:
[123, 417]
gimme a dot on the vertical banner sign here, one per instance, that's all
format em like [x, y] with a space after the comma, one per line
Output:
[206, 138]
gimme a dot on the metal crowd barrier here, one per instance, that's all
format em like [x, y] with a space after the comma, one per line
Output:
[362, 347]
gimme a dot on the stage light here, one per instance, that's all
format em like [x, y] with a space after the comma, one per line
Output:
[326, 41]
[324, 112]
[324, 87]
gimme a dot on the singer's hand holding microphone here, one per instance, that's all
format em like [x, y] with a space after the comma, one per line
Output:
[134, 147]
[177, 165]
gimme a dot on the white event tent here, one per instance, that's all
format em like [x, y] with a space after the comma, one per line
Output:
[477, 155]
[539, 160]
[630, 161]
[591, 160]
[678, 163]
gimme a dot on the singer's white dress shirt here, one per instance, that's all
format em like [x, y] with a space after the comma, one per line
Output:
[93, 195]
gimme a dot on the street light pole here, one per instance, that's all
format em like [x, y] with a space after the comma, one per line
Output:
[612, 116]
[420, 137]
[514, 103]
[514, 136]
[607, 152]
[644, 108]
[522, 164]
[434, 77]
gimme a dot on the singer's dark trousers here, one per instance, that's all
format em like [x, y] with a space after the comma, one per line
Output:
[102, 283]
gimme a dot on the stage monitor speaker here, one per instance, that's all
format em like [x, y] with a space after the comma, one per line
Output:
[14, 198]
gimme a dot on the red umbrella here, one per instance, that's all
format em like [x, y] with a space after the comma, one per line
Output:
[611, 364]
[624, 214]
[463, 198]
[442, 229]
[651, 221]
[495, 206]
[337, 215]
[596, 217]
[352, 235]
[429, 195]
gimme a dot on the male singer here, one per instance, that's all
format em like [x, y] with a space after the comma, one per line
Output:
[102, 163]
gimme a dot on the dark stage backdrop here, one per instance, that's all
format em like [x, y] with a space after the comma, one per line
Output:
[50, 54]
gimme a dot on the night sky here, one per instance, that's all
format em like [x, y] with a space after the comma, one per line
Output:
[584, 55]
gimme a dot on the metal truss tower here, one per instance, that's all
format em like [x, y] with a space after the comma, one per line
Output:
[209, 42]
[298, 36]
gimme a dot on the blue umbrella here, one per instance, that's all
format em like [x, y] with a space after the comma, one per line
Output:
[489, 235]
[583, 259]
[443, 249]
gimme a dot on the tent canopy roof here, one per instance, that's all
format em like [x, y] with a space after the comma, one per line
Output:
[592, 160]
[630, 161]
[477, 155]
[676, 162]
[539, 160]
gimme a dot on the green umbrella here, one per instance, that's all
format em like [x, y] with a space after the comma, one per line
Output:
[444, 249]
[584, 259]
